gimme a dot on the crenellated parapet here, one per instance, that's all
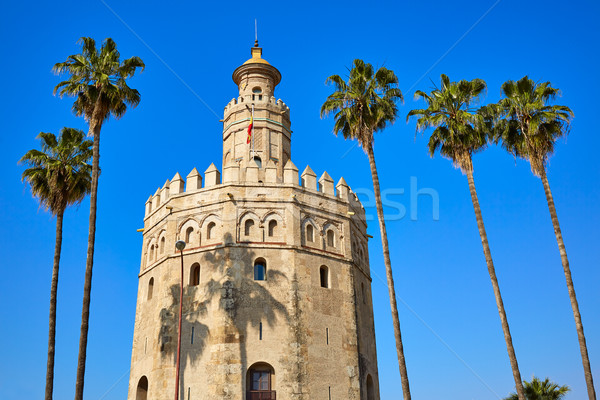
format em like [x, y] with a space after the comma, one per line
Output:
[305, 182]
[240, 103]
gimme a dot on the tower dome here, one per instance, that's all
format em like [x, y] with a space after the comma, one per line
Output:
[256, 73]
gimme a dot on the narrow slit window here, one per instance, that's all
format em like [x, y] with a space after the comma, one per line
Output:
[189, 232]
[309, 233]
[195, 275]
[210, 230]
[150, 288]
[162, 245]
[327, 335]
[330, 238]
[272, 228]
[260, 331]
[192, 336]
[324, 276]
[248, 225]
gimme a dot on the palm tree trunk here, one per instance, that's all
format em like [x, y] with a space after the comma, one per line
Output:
[95, 126]
[492, 272]
[53, 299]
[565, 263]
[388, 273]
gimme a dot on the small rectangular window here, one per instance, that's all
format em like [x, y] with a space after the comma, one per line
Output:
[259, 271]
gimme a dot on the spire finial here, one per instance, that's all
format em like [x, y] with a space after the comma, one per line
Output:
[255, 33]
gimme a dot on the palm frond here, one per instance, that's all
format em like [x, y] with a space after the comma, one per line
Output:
[99, 76]
[530, 126]
[363, 104]
[459, 130]
[60, 173]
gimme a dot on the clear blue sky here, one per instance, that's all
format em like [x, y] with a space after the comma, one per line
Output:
[439, 267]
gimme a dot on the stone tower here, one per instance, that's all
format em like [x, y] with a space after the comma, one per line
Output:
[277, 288]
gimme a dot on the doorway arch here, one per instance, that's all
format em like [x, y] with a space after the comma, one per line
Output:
[142, 389]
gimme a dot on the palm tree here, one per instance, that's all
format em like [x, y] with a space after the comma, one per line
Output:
[542, 390]
[459, 133]
[529, 129]
[362, 106]
[59, 176]
[98, 80]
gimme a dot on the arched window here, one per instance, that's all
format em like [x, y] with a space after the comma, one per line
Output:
[189, 232]
[330, 238]
[248, 227]
[310, 236]
[195, 275]
[210, 230]
[260, 269]
[162, 245]
[260, 382]
[272, 227]
[150, 288]
[142, 389]
[324, 275]
[152, 253]
[370, 388]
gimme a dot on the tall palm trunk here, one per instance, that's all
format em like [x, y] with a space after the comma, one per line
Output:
[565, 263]
[388, 273]
[53, 299]
[492, 272]
[95, 126]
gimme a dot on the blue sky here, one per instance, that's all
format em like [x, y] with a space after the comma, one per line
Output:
[452, 335]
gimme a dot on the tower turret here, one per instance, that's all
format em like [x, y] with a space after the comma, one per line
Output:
[270, 137]
[275, 272]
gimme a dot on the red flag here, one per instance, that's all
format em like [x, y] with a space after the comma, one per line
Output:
[250, 130]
